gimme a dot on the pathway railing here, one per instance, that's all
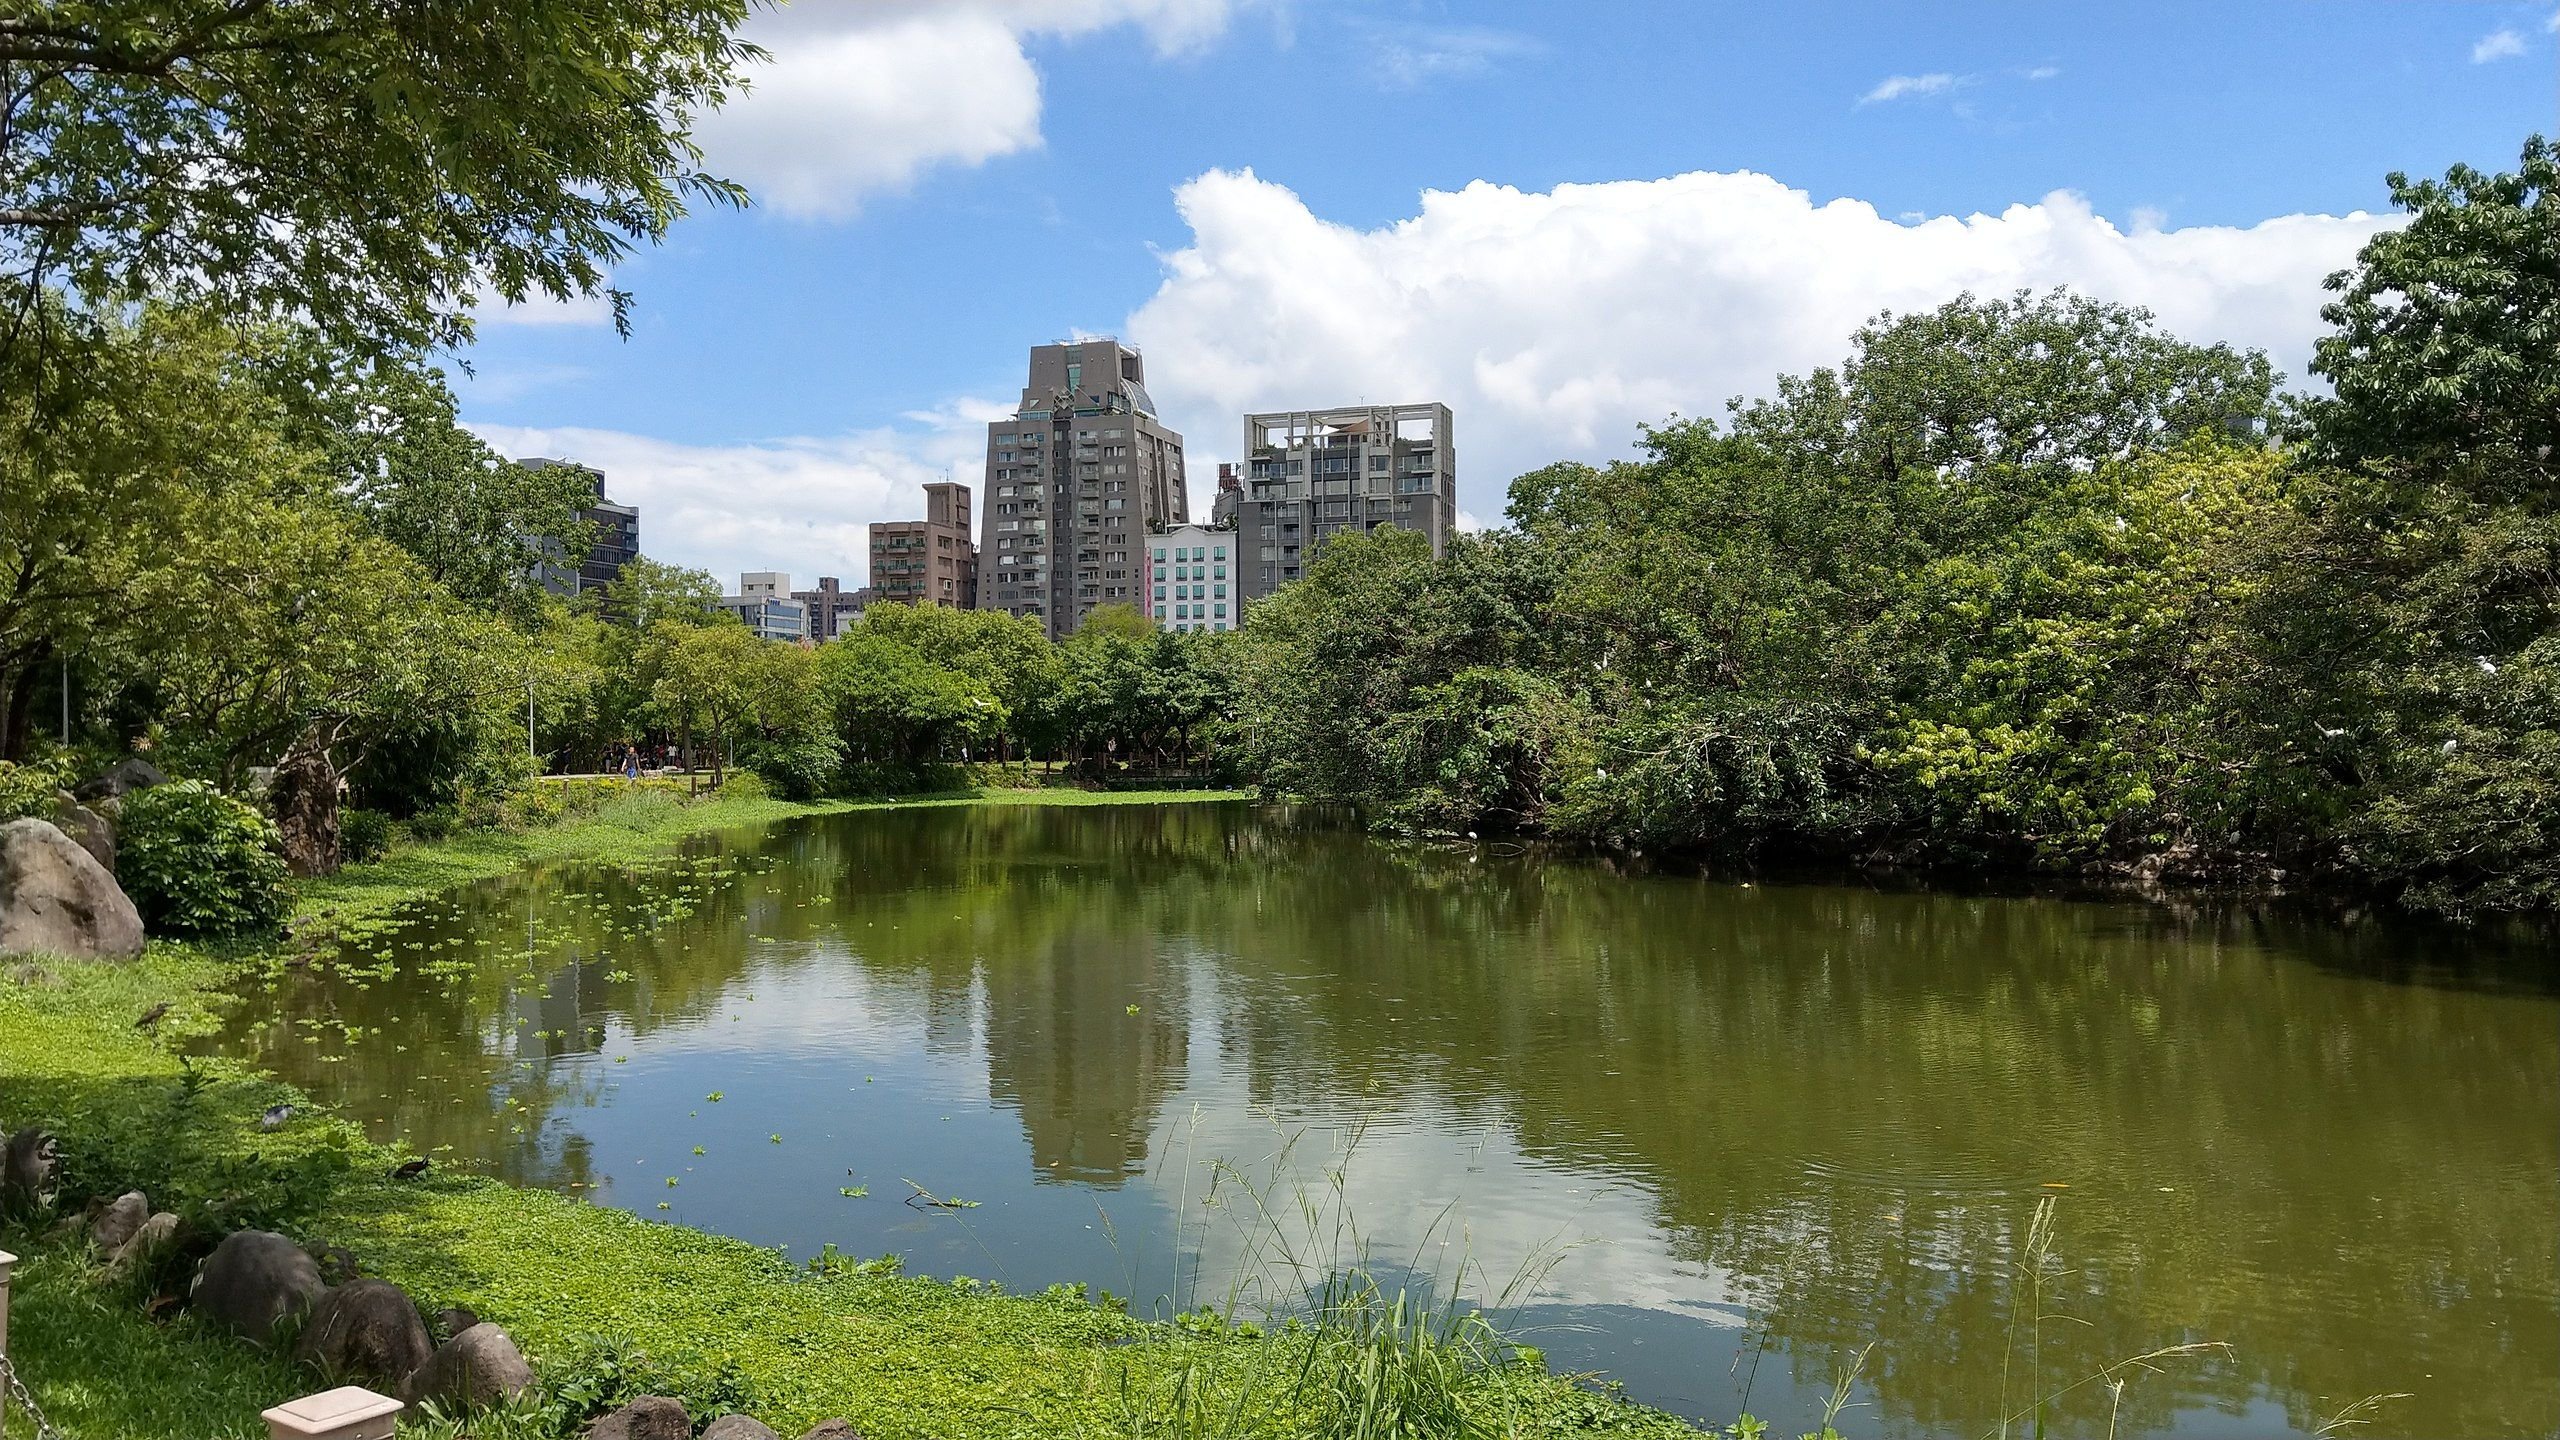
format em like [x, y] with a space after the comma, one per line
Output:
[349, 1412]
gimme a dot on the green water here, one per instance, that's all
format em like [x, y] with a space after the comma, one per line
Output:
[1729, 1134]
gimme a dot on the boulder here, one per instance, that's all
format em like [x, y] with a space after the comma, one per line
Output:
[474, 1370]
[125, 776]
[90, 831]
[157, 1234]
[55, 898]
[253, 1281]
[30, 1166]
[365, 1330]
[738, 1427]
[833, 1430]
[119, 1221]
[454, 1319]
[651, 1417]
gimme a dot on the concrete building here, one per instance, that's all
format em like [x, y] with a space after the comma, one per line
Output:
[831, 609]
[1189, 584]
[764, 603]
[1076, 482]
[1222, 510]
[929, 561]
[1313, 474]
[614, 538]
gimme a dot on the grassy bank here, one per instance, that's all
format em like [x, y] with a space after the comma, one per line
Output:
[597, 1296]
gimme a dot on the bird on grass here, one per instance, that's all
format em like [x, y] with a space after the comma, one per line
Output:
[275, 1117]
[412, 1170]
[152, 1016]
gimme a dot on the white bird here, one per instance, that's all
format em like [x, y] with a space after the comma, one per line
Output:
[2451, 745]
[2487, 667]
[2325, 732]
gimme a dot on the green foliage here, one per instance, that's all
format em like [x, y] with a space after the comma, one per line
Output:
[800, 769]
[27, 790]
[363, 835]
[197, 862]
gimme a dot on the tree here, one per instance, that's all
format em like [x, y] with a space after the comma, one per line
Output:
[702, 676]
[372, 168]
[2420, 607]
[648, 592]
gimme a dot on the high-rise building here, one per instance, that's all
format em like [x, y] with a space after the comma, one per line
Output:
[831, 608]
[1222, 510]
[1076, 481]
[929, 561]
[614, 538]
[1187, 579]
[764, 604]
[1313, 474]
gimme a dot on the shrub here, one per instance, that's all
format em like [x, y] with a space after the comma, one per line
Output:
[363, 835]
[198, 862]
[26, 790]
[800, 770]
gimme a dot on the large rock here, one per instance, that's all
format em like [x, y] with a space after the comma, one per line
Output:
[30, 1167]
[156, 1235]
[55, 898]
[90, 831]
[365, 1330]
[124, 777]
[119, 1221]
[253, 1281]
[651, 1417]
[738, 1427]
[474, 1370]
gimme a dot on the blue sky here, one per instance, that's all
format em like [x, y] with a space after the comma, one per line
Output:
[1240, 187]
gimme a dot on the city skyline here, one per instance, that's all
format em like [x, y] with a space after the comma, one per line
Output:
[1559, 274]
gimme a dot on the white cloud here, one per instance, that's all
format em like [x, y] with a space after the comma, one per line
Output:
[793, 504]
[2503, 44]
[2040, 72]
[539, 309]
[1408, 57]
[861, 96]
[1556, 323]
[1900, 87]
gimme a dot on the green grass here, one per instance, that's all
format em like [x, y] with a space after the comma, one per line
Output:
[594, 1292]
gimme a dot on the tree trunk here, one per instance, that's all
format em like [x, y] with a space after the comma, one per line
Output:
[305, 797]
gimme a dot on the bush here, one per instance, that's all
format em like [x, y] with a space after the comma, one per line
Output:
[197, 862]
[801, 770]
[363, 835]
[26, 790]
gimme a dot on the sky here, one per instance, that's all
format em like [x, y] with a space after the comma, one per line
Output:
[1566, 221]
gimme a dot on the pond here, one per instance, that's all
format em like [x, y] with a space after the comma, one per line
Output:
[1709, 1138]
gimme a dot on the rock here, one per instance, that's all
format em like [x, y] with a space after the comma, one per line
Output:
[454, 1319]
[253, 1281]
[156, 1235]
[30, 1165]
[738, 1427]
[337, 1264]
[651, 1417]
[125, 776]
[833, 1430]
[55, 898]
[90, 831]
[477, 1368]
[119, 1221]
[365, 1330]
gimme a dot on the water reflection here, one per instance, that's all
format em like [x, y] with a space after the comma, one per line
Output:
[1791, 1119]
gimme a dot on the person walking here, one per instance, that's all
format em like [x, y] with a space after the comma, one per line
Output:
[631, 763]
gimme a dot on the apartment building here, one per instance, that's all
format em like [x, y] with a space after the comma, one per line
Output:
[613, 538]
[831, 609]
[1313, 474]
[930, 561]
[1076, 482]
[1188, 579]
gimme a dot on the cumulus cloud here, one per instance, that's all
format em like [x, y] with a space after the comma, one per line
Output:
[796, 503]
[1555, 323]
[861, 96]
[1903, 87]
[2503, 44]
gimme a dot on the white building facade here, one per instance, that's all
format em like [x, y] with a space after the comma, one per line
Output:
[1192, 580]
